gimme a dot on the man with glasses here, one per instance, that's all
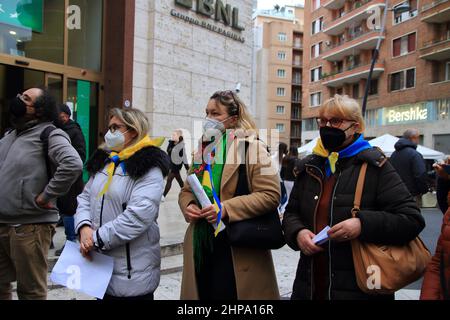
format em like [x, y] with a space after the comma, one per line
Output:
[37, 165]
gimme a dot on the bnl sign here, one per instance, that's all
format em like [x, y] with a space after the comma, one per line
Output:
[215, 9]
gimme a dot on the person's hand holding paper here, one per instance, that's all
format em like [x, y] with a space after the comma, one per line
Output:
[306, 244]
[208, 211]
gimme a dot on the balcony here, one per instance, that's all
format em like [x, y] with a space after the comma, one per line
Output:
[297, 64]
[353, 74]
[297, 81]
[334, 4]
[352, 17]
[352, 46]
[298, 46]
[436, 50]
[436, 12]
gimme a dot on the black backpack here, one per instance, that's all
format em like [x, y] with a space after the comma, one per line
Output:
[44, 139]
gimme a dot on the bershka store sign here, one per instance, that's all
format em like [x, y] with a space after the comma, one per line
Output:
[215, 10]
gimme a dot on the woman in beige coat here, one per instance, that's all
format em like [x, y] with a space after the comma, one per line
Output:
[213, 269]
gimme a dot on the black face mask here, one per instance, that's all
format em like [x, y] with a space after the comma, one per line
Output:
[333, 138]
[17, 108]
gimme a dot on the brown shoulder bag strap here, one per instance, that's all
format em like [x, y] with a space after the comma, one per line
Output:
[359, 189]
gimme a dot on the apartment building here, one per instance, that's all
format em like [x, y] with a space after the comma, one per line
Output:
[410, 85]
[278, 72]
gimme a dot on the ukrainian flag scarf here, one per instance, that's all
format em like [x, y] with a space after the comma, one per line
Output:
[116, 159]
[332, 157]
[210, 175]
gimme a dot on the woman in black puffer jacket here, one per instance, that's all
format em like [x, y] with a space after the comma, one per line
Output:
[323, 195]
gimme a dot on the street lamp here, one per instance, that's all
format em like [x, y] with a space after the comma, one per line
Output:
[404, 7]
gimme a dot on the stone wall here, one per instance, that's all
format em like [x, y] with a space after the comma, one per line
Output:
[178, 65]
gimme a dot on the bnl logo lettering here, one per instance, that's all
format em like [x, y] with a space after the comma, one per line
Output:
[73, 18]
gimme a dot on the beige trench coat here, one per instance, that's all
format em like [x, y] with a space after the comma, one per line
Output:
[254, 269]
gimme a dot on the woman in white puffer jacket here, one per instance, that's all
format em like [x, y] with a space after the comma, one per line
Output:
[119, 206]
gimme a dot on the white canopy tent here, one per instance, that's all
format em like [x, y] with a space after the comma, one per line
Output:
[307, 149]
[387, 144]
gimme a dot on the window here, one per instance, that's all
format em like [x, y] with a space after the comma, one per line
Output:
[281, 55]
[316, 50]
[310, 124]
[315, 99]
[281, 92]
[280, 109]
[297, 96]
[85, 44]
[282, 36]
[297, 78]
[404, 79]
[355, 32]
[401, 17]
[355, 91]
[33, 29]
[280, 127]
[315, 4]
[296, 112]
[373, 87]
[317, 26]
[281, 73]
[404, 45]
[316, 74]
[353, 62]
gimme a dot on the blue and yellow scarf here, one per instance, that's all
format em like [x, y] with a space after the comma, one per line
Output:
[116, 159]
[332, 157]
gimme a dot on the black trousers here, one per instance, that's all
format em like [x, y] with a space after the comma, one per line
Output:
[149, 296]
[217, 280]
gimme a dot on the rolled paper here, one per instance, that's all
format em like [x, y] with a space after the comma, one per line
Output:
[202, 197]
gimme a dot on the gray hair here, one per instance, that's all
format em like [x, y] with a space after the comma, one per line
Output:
[411, 133]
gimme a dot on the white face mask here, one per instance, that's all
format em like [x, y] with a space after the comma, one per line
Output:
[213, 124]
[115, 141]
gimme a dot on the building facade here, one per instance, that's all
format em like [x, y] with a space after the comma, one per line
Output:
[278, 72]
[164, 57]
[410, 85]
[186, 50]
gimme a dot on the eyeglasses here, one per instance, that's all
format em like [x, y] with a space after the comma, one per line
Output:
[224, 97]
[24, 98]
[334, 122]
[114, 127]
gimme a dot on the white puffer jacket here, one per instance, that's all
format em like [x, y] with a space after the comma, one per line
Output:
[126, 220]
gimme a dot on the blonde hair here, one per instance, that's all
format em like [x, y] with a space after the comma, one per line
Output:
[133, 119]
[346, 108]
[235, 107]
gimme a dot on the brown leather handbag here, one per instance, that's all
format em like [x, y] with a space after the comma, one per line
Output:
[385, 269]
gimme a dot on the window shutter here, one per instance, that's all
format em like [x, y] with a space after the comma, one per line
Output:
[397, 47]
[411, 42]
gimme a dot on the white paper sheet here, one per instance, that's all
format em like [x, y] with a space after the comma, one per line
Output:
[322, 237]
[201, 195]
[77, 273]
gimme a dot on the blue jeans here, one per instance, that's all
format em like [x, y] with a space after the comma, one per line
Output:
[69, 228]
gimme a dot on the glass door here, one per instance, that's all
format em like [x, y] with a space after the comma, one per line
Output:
[82, 99]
